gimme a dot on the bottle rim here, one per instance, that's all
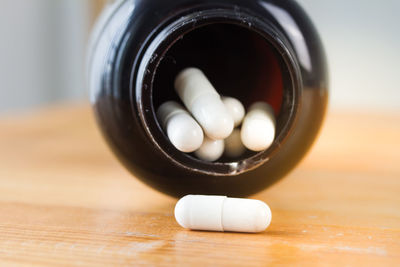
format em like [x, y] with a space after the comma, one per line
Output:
[159, 43]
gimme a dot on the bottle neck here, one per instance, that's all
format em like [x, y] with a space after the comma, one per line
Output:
[244, 56]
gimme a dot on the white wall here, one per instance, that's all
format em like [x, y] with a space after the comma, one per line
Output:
[362, 39]
[42, 49]
[43, 42]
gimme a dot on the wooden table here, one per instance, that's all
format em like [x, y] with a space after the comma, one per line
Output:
[65, 200]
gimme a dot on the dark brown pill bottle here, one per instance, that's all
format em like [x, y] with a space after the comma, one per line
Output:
[253, 50]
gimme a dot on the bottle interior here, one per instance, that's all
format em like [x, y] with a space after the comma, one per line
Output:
[238, 62]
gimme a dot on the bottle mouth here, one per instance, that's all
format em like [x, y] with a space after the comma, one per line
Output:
[243, 57]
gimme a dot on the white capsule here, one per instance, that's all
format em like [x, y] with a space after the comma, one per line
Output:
[220, 213]
[258, 129]
[233, 145]
[210, 150]
[235, 108]
[182, 130]
[203, 101]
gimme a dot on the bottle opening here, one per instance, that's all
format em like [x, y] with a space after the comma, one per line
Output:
[241, 60]
[238, 62]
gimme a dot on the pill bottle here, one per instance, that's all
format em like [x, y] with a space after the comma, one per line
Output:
[253, 50]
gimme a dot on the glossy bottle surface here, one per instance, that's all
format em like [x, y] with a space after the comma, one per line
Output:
[140, 45]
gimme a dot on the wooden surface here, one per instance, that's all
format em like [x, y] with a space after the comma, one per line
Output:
[65, 200]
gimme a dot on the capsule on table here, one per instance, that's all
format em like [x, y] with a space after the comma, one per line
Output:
[182, 130]
[258, 129]
[220, 213]
[204, 103]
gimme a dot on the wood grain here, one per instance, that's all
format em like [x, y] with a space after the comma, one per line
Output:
[66, 201]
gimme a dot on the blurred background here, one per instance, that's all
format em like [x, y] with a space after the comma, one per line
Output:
[43, 50]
